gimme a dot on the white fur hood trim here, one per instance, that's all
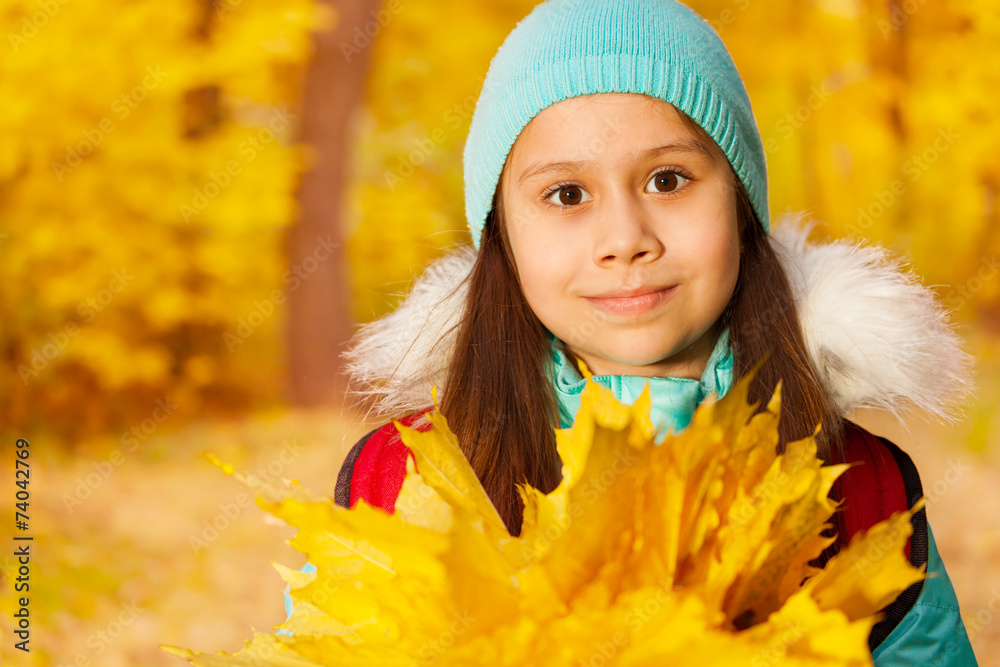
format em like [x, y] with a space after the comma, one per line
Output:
[878, 338]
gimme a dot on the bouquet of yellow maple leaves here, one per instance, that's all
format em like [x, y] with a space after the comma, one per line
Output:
[694, 551]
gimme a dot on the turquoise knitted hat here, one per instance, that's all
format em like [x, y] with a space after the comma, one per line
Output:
[568, 48]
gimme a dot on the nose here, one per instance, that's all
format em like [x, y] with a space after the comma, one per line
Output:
[625, 233]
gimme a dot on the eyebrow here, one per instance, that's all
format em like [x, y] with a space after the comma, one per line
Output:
[685, 147]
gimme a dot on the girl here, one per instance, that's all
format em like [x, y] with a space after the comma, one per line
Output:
[616, 194]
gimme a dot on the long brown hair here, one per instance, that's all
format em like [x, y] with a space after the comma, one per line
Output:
[500, 403]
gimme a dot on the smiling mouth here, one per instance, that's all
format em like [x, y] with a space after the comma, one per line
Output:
[638, 304]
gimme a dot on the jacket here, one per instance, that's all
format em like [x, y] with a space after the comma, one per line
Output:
[876, 336]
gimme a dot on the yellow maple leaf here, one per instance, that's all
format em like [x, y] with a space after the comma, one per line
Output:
[691, 551]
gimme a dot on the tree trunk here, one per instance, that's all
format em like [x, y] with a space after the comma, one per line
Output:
[319, 322]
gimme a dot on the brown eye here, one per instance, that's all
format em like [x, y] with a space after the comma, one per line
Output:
[568, 195]
[666, 181]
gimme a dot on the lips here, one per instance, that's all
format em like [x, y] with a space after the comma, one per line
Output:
[635, 291]
[632, 302]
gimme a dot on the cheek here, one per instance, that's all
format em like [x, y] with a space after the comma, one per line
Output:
[726, 260]
[534, 267]
[544, 278]
[546, 263]
[715, 255]
[725, 270]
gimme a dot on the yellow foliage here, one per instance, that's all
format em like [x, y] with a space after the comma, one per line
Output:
[147, 174]
[691, 552]
[428, 64]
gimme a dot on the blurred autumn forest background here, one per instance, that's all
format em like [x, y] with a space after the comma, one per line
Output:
[200, 200]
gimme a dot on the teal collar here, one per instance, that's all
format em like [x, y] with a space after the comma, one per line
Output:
[674, 399]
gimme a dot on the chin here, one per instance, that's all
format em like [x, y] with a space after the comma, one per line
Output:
[626, 354]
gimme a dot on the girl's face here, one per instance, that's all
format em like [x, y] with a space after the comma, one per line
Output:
[624, 231]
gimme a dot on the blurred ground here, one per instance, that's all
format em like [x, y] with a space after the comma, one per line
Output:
[167, 549]
[138, 563]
